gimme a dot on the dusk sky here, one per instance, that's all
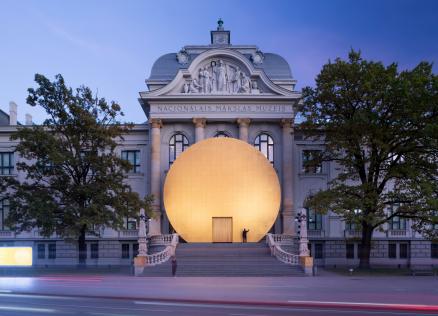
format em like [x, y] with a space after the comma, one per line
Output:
[110, 46]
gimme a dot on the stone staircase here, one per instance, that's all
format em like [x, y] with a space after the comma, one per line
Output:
[223, 259]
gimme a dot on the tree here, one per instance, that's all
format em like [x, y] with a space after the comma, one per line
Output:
[380, 127]
[75, 182]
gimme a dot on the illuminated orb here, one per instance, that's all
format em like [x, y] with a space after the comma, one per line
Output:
[221, 178]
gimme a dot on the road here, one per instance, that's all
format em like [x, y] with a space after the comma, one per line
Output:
[19, 304]
[112, 295]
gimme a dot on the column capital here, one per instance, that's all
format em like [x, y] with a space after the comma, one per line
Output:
[287, 123]
[156, 123]
[243, 121]
[199, 121]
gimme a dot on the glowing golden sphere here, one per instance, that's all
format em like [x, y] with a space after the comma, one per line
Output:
[218, 187]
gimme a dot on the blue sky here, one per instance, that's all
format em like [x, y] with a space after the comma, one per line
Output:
[110, 46]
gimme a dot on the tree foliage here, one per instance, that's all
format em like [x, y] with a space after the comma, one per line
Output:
[74, 179]
[380, 126]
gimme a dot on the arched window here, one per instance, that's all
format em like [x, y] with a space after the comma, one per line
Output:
[221, 134]
[177, 144]
[265, 144]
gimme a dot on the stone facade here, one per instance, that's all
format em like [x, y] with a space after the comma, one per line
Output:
[252, 98]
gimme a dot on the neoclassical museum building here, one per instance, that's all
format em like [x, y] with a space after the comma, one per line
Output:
[220, 154]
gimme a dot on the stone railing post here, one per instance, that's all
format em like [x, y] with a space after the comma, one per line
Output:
[199, 128]
[243, 128]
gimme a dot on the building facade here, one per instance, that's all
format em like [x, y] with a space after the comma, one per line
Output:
[220, 90]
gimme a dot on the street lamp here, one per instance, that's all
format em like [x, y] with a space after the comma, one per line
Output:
[146, 219]
[143, 231]
[301, 219]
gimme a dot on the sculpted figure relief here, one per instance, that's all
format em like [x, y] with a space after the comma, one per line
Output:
[219, 77]
[245, 84]
[221, 72]
[201, 80]
[195, 87]
[236, 81]
[207, 80]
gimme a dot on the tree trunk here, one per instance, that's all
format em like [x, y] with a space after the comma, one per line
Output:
[365, 250]
[82, 246]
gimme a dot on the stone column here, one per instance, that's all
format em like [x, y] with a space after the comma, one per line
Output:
[287, 173]
[243, 128]
[199, 128]
[155, 223]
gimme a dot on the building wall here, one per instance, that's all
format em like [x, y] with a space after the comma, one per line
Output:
[331, 240]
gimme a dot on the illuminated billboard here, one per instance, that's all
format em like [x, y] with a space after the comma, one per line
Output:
[16, 256]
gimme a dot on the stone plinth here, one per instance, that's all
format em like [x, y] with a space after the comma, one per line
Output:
[139, 265]
[306, 263]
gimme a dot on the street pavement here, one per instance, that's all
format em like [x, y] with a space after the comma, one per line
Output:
[116, 295]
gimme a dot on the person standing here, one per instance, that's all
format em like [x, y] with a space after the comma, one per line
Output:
[244, 234]
[174, 266]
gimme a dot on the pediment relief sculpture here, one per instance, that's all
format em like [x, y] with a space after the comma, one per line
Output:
[220, 77]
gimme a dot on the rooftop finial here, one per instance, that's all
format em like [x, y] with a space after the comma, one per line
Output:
[220, 25]
[220, 36]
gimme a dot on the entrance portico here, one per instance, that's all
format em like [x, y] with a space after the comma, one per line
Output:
[221, 90]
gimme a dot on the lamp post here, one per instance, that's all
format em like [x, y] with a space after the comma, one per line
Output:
[301, 218]
[143, 231]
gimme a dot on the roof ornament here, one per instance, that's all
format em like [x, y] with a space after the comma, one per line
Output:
[257, 57]
[182, 57]
[220, 25]
[220, 36]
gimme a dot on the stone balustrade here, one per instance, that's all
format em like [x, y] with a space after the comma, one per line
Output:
[283, 239]
[161, 240]
[352, 233]
[170, 241]
[128, 233]
[397, 233]
[6, 234]
[274, 242]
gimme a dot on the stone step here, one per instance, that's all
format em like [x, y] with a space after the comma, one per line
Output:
[225, 259]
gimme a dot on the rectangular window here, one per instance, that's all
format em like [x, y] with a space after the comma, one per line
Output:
[94, 251]
[131, 224]
[350, 226]
[309, 163]
[398, 223]
[133, 157]
[434, 250]
[392, 251]
[6, 163]
[52, 251]
[125, 251]
[350, 251]
[41, 251]
[314, 220]
[403, 251]
[318, 251]
[135, 250]
[4, 211]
